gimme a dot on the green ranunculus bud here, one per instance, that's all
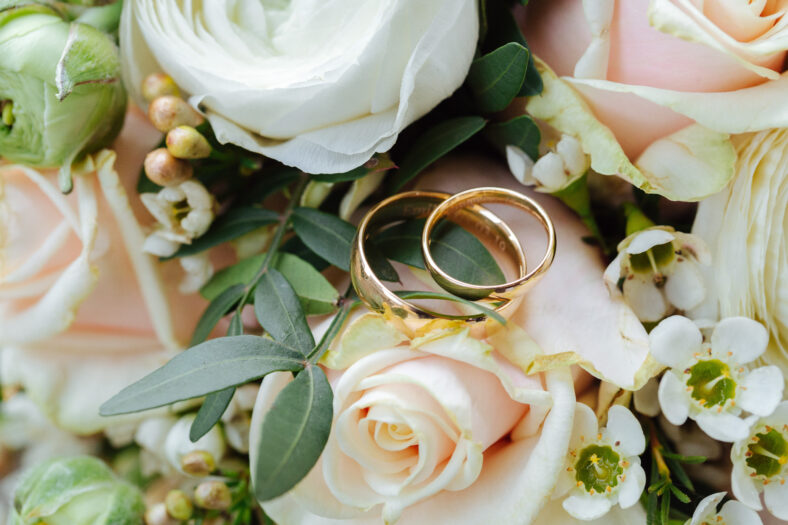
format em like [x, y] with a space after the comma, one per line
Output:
[76, 491]
[61, 81]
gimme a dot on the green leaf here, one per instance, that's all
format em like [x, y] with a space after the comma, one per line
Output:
[316, 294]
[521, 131]
[434, 144]
[235, 223]
[325, 234]
[678, 471]
[208, 367]
[270, 183]
[505, 29]
[220, 305]
[379, 162]
[280, 314]
[297, 247]
[533, 84]
[664, 509]
[455, 250]
[684, 459]
[294, 433]
[210, 413]
[382, 268]
[496, 78]
[679, 494]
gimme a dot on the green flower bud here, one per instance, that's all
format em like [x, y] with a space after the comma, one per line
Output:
[59, 87]
[179, 506]
[185, 142]
[76, 491]
[165, 170]
[198, 463]
[213, 495]
[169, 111]
[158, 85]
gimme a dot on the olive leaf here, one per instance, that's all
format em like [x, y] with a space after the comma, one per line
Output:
[325, 234]
[280, 314]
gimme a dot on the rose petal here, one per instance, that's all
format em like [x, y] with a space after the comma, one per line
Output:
[743, 339]
[674, 341]
[673, 399]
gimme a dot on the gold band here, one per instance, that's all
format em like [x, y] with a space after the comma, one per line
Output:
[416, 205]
[476, 197]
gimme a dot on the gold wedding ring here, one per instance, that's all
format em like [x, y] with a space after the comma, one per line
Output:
[416, 205]
[473, 198]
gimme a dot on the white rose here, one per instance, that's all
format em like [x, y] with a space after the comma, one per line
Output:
[317, 85]
[745, 228]
[83, 311]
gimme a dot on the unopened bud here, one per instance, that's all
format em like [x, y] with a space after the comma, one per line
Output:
[158, 85]
[185, 142]
[213, 495]
[178, 504]
[7, 114]
[169, 112]
[157, 515]
[165, 170]
[198, 463]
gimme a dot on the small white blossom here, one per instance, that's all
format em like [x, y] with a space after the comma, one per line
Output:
[732, 513]
[760, 464]
[561, 163]
[603, 466]
[708, 381]
[659, 272]
[198, 270]
[184, 212]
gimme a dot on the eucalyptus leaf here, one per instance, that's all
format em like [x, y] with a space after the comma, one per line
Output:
[210, 413]
[454, 249]
[235, 223]
[316, 294]
[218, 308]
[434, 144]
[294, 433]
[208, 367]
[325, 234]
[280, 314]
[497, 77]
[297, 247]
[520, 131]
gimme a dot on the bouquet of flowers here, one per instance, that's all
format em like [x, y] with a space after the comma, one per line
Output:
[414, 261]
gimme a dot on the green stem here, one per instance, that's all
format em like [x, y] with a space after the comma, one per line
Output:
[577, 197]
[636, 219]
[277, 240]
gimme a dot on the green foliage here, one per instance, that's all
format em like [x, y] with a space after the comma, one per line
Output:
[520, 131]
[379, 162]
[208, 367]
[293, 434]
[434, 144]
[325, 234]
[279, 312]
[210, 412]
[497, 77]
[217, 309]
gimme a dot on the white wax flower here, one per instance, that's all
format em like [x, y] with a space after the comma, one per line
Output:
[732, 513]
[561, 163]
[198, 270]
[317, 85]
[184, 212]
[658, 270]
[708, 381]
[602, 466]
[759, 464]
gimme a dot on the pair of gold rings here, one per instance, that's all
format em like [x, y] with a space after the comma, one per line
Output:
[464, 208]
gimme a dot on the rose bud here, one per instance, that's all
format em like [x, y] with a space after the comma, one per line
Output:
[169, 111]
[157, 515]
[179, 506]
[158, 85]
[185, 142]
[165, 170]
[213, 495]
[198, 463]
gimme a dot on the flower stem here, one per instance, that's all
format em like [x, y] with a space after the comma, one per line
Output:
[577, 197]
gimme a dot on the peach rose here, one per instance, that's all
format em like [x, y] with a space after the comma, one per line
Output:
[83, 311]
[667, 79]
[430, 422]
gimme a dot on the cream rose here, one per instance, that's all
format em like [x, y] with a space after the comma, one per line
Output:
[83, 311]
[430, 424]
[745, 228]
[317, 85]
[668, 80]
